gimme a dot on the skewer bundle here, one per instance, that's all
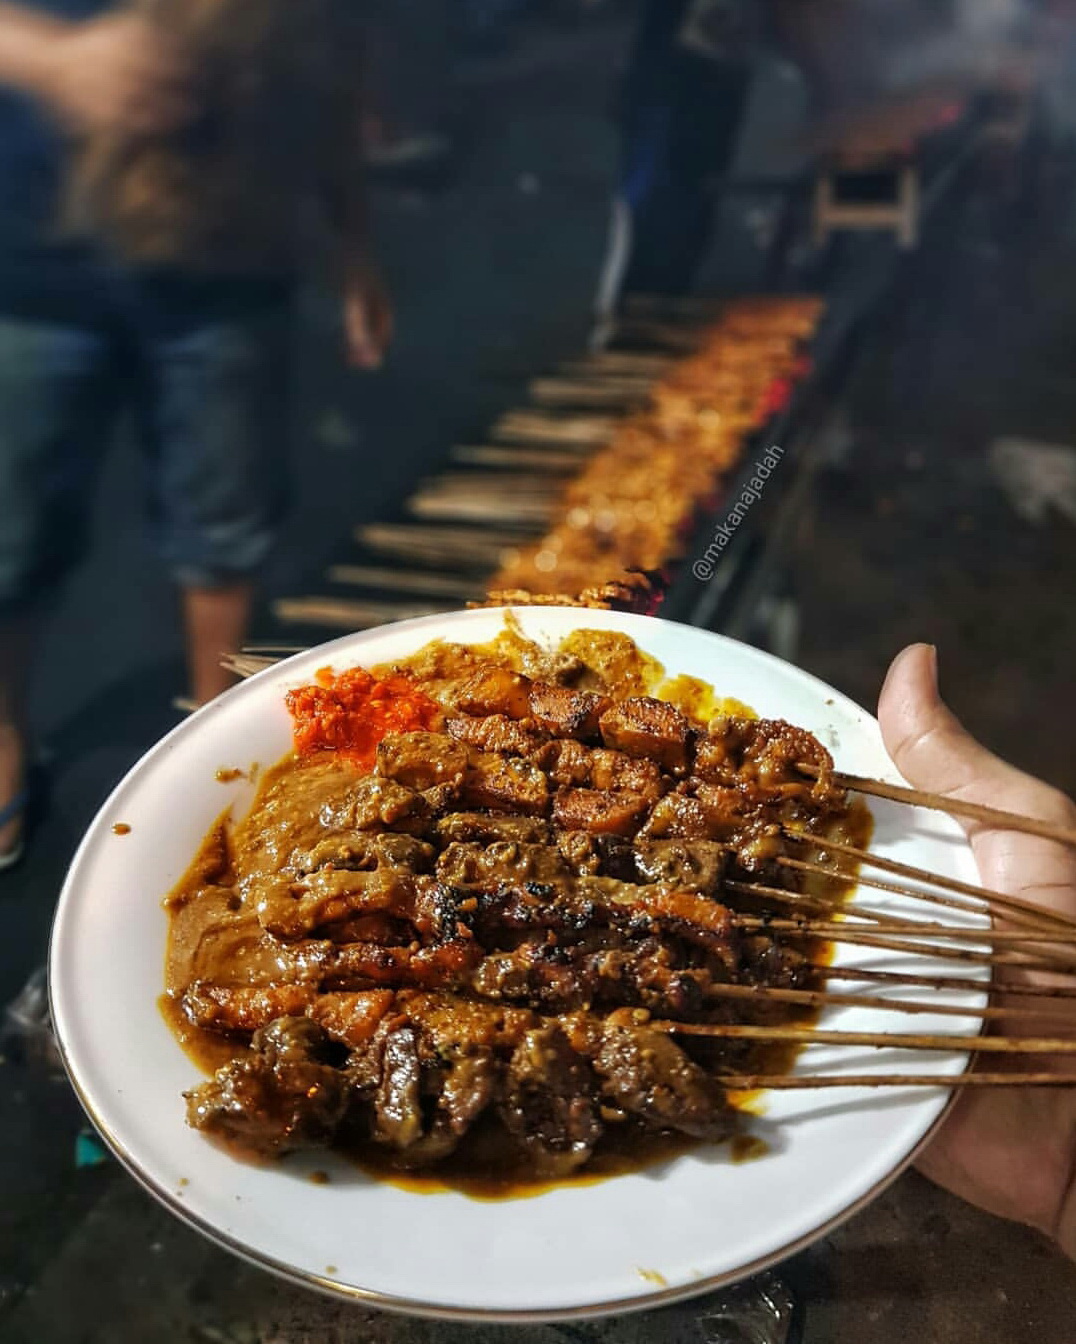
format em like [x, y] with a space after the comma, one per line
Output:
[947, 936]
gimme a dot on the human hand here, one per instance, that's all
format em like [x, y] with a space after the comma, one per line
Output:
[117, 73]
[1009, 1151]
[368, 318]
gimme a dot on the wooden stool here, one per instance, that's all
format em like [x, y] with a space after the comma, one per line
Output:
[900, 213]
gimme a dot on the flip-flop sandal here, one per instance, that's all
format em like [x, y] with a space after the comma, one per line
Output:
[10, 812]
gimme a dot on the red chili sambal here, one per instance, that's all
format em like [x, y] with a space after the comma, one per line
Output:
[350, 712]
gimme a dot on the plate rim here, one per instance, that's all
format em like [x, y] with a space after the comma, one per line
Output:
[416, 1307]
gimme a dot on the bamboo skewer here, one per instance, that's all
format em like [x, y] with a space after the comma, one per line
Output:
[498, 484]
[924, 875]
[908, 928]
[827, 998]
[760, 1082]
[424, 543]
[875, 1040]
[550, 460]
[860, 938]
[529, 515]
[932, 898]
[880, 917]
[621, 394]
[533, 427]
[944, 983]
[622, 363]
[408, 581]
[349, 615]
[957, 807]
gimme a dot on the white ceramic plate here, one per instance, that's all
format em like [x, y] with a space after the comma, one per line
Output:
[629, 1242]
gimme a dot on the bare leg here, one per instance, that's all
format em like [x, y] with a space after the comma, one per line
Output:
[216, 621]
[18, 637]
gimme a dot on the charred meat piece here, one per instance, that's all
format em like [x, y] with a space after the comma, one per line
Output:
[434, 1069]
[348, 1018]
[398, 1100]
[563, 979]
[680, 816]
[764, 754]
[565, 712]
[570, 764]
[651, 728]
[506, 784]
[647, 1075]
[290, 908]
[497, 732]
[376, 804]
[550, 1102]
[495, 690]
[244, 1008]
[421, 760]
[536, 973]
[281, 1097]
[350, 965]
[594, 855]
[362, 851]
[696, 865]
[483, 828]
[602, 812]
[502, 861]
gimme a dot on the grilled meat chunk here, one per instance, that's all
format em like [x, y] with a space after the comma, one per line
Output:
[696, 865]
[550, 1102]
[602, 812]
[283, 1096]
[495, 690]
[483, 828]
[420, 760]
[589, 854]
[570, 764]
[764, 754]
[290, 908]
[502, 861]
[377, 804]
[567, 713]
[647, 1075]
[361, 851]
[650, 728]
[497, 732]
[506, 784]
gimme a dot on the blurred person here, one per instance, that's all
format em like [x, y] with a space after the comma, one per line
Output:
[683, 102]
[1009, 1151]
[167, 171]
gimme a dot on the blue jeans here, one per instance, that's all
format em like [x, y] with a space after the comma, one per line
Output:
[209, 397]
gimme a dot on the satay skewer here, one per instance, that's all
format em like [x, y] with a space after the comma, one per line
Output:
[424, 582]
[827, 998]
[875, 1040]
[944, 983]
[550, 460]
[349, 615]
[996, 906]
[760, 1082]
[907, 928]
[957, 807]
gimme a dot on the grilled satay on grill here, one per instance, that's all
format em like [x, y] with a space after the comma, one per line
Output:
[632, 505]
[463, 924]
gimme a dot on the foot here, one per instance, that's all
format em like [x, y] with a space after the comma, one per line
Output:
[12, 783]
